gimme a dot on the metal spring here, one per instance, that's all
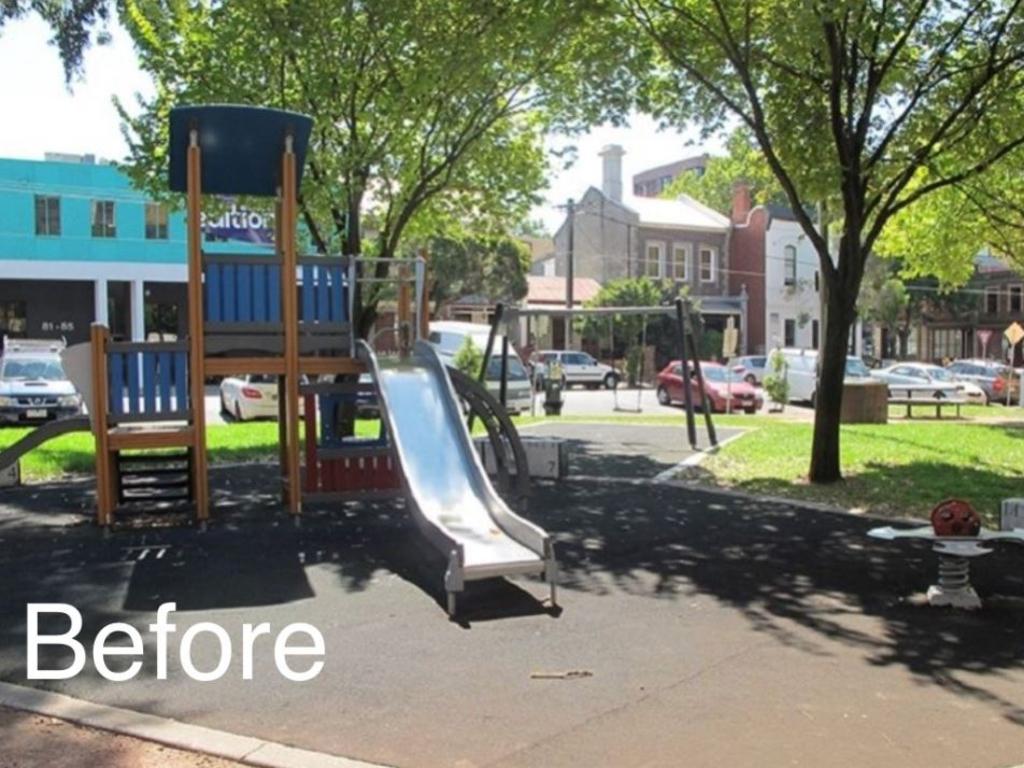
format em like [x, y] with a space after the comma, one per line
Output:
[954, 572]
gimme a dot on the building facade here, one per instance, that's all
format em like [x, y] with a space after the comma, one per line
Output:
[653, 181]
[776, 265]
[78, 244]
[615, 236]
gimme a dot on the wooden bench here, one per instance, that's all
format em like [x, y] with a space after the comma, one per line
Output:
[928, 395]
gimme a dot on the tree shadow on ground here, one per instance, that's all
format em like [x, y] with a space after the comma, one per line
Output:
[789, 571]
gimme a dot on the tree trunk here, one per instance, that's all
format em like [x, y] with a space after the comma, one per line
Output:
[838, 310]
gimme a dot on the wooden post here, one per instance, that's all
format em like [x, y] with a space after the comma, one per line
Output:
[99, 336]
[291, 324]
[197, 350]
[282, 393]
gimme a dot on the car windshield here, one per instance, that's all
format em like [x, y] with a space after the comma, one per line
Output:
[855, 367]
[32, 369]
[516, 372]
[718, 373]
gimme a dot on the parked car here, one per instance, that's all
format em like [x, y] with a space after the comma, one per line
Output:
[577, 368]
[249, 396]
[802, 373]
[33, 385]
[926, 373]
[993, 377]
[754, 367]
[722, 386]
[448, 336]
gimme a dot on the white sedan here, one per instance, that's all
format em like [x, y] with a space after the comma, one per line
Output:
[249, 396]
[926, 373]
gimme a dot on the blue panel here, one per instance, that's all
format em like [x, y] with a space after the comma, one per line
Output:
[274, 293]
[133, 382]
[149, 381]
[307, 294]
[115, 381]
[181, 380]
[241, 147]
[338, 313]
[259, 293]
[213, 303]
[165, 382]
[322, 294]
[244, 293]
[230, 286]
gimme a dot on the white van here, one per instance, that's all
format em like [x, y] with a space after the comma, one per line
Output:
[446, 336]
[802, 373]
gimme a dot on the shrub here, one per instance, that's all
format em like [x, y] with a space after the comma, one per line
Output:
[469, 358]
[776, 383]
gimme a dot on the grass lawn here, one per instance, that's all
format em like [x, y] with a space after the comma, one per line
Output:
[74, 454]
[899, 469]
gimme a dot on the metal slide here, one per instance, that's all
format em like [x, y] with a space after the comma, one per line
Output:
[453, 501]
[51, 429]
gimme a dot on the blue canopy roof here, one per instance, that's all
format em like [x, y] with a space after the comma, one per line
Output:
[241, 147]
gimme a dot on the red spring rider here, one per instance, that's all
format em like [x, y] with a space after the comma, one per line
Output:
[955, 517]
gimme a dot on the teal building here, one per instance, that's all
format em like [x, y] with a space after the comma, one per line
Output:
[79, 244]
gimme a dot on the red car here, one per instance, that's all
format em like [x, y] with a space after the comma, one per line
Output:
[719, 382]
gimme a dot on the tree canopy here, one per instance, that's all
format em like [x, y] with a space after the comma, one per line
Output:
[429, 115]
[863, 108]
[76, 24]
[493, 267]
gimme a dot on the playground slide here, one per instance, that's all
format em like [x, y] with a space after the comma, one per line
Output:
[51, 429]
[453, 501]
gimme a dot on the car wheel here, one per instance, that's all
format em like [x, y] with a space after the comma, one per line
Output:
[750, 410]
[611, 381]
[751, 379]
[238, 411]
[663, 396]
[223, 404]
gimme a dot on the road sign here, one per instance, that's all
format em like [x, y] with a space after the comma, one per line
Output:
[983, 337]
[1014, 334]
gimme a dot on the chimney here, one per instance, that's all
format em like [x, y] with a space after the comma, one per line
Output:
[740, 202]
[611, 175]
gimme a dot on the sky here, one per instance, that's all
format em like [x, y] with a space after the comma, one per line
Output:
[43, 115]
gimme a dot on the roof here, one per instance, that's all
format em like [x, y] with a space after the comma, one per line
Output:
[241, 147]
[682, 212]
[551, 290]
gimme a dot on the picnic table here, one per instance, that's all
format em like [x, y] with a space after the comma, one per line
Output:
[937, 396]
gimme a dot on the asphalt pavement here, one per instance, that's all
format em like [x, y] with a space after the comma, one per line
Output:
[693, 629]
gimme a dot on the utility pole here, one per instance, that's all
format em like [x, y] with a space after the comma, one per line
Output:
[569, 272]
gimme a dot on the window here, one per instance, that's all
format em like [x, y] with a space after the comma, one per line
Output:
[13, 318]
[790, 332]
[47, 215]
[680, 261]
[708, 267]
[790, 265]
[103, 218]
[1016, 303]
[947, 342]
[815, 331]
[156, 221]
[654, 253]
[992, 301]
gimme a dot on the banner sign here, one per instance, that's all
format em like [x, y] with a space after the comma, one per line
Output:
[239, 224]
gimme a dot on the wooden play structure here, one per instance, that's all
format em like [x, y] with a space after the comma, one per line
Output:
[278, 314]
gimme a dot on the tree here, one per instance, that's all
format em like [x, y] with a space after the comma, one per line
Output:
[742, 162]
[429, 115]
[72, 23]
[864, 108]
[886, 301]
[495, 268]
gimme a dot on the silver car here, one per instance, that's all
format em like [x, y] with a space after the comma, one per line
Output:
[33, 385]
